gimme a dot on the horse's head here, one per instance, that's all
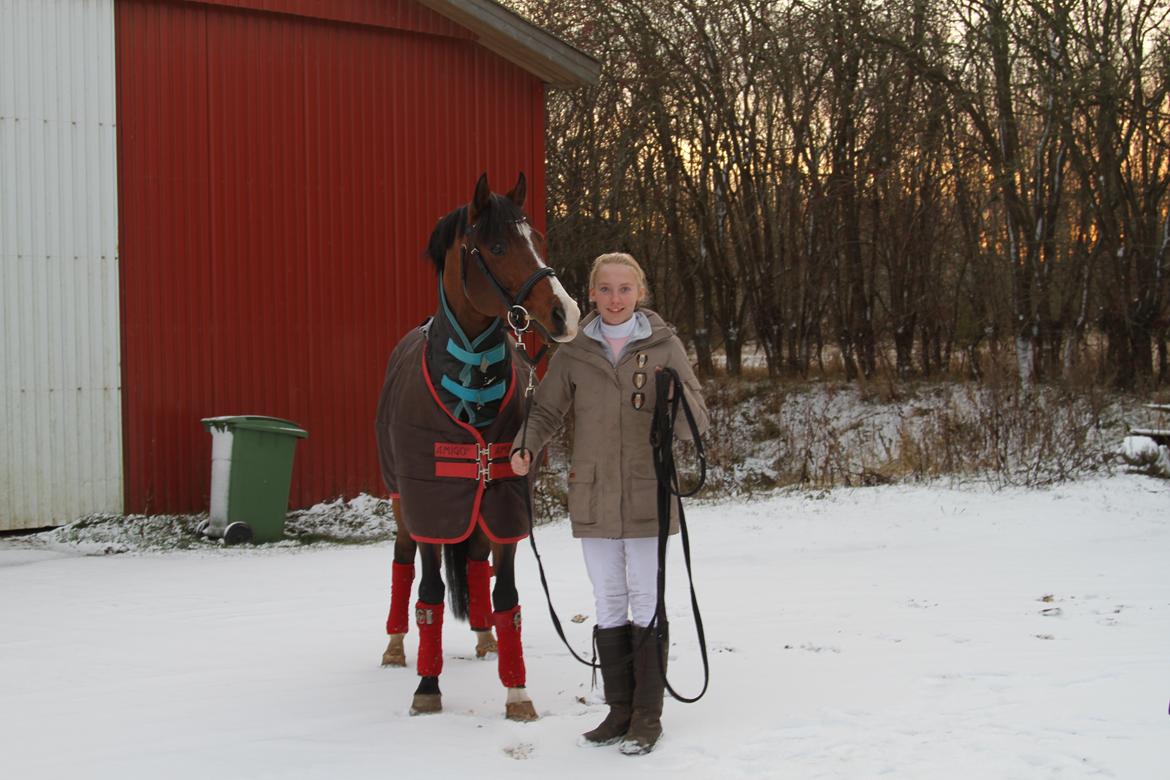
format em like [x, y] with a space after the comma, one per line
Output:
[500, 258]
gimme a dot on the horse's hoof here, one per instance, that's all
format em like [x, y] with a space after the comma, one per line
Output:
[485, 643]
[426, 703]
[519, 706]
[395, 654]
[521, 711]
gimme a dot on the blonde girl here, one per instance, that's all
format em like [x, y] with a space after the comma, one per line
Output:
[604, 377]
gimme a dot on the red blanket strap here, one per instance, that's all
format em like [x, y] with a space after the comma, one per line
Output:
[471, 470]
[491, 463]
[471, 451]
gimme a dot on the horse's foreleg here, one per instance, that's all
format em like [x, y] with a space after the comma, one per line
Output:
[506, 617]
[479, 605]
[428, 613]
[401, 584]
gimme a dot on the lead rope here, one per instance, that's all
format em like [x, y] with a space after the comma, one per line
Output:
[666, 406]
[556, 621]
[665, 413]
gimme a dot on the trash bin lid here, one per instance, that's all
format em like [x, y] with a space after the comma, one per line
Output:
[255, 422]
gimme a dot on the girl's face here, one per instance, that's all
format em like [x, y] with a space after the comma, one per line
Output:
[616, 293]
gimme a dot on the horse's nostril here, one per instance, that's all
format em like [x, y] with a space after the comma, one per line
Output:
[558, 318]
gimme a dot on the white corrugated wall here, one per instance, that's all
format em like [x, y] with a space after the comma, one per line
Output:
[60, 378]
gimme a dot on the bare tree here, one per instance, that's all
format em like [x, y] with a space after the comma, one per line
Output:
[1118, 140]
[877, 177]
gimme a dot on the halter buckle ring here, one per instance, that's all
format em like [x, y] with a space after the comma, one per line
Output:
[518, 319]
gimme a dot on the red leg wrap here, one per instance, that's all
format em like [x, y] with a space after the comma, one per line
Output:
[479, 598]
[511, 652]
[401, 584]
[429, 618]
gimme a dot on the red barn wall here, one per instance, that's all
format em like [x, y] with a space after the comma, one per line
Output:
[279, 175]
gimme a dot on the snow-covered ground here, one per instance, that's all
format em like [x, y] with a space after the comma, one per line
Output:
[904, 632]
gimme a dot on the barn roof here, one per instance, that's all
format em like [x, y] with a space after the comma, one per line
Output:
[519, 41]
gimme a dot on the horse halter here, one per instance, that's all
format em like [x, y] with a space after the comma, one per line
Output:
[518, 318]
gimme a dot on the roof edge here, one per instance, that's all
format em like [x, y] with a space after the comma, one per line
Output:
[517, 40]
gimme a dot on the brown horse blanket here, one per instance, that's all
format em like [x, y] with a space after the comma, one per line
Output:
[448, 473]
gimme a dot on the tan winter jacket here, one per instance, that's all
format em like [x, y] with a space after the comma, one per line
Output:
[612, 489]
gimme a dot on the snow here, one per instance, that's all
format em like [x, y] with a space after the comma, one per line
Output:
[899, 631]
[1145, 453]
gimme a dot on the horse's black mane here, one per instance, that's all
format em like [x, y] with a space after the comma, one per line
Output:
[492, 225]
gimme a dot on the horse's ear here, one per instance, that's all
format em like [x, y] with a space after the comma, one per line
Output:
[518, 192]
[481, 198]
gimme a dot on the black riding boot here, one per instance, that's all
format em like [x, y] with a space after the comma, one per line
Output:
[649, 670]
[617, 674]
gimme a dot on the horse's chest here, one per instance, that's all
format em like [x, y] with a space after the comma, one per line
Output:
[450, 475]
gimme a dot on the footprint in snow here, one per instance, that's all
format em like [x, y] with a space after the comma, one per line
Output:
[519, 752]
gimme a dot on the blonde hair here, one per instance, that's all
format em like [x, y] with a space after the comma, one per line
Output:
[620, 258]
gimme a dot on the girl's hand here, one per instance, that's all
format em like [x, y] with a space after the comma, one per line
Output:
[521, 459]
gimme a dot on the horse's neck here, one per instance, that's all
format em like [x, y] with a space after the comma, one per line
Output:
[470, 372]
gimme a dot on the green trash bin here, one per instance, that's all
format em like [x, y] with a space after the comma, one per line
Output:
[251, 469]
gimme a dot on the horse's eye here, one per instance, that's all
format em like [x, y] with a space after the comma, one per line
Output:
[497, 249]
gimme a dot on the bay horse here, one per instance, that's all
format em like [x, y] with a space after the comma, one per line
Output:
[451, 404]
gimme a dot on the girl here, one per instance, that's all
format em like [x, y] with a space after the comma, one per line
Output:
[605, 376]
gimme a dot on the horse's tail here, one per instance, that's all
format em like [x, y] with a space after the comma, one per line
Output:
[455, 556]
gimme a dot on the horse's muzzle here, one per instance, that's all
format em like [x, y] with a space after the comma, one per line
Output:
[564, 317]
[558, 318]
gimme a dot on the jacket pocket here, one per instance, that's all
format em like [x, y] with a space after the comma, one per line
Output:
[581, 479]
[643, 495]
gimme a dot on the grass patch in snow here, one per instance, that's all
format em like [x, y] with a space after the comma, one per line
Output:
[362, 520]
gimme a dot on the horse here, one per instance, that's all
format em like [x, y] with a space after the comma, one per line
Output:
[450, 406]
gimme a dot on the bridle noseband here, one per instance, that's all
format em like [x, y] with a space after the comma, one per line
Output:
[518, 318]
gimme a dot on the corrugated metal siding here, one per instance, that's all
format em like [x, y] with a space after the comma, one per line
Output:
[280, 177]
[398, 14]
[60, 409]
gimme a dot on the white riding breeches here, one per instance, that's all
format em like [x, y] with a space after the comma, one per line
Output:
[624, 573]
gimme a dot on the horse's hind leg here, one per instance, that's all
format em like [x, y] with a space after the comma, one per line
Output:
[401, 584]
[428, 612]
[506, 617]
[479, 606]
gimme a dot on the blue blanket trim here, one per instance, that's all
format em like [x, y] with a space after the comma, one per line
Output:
[471, 395]
[481, 359]
[470, 400]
